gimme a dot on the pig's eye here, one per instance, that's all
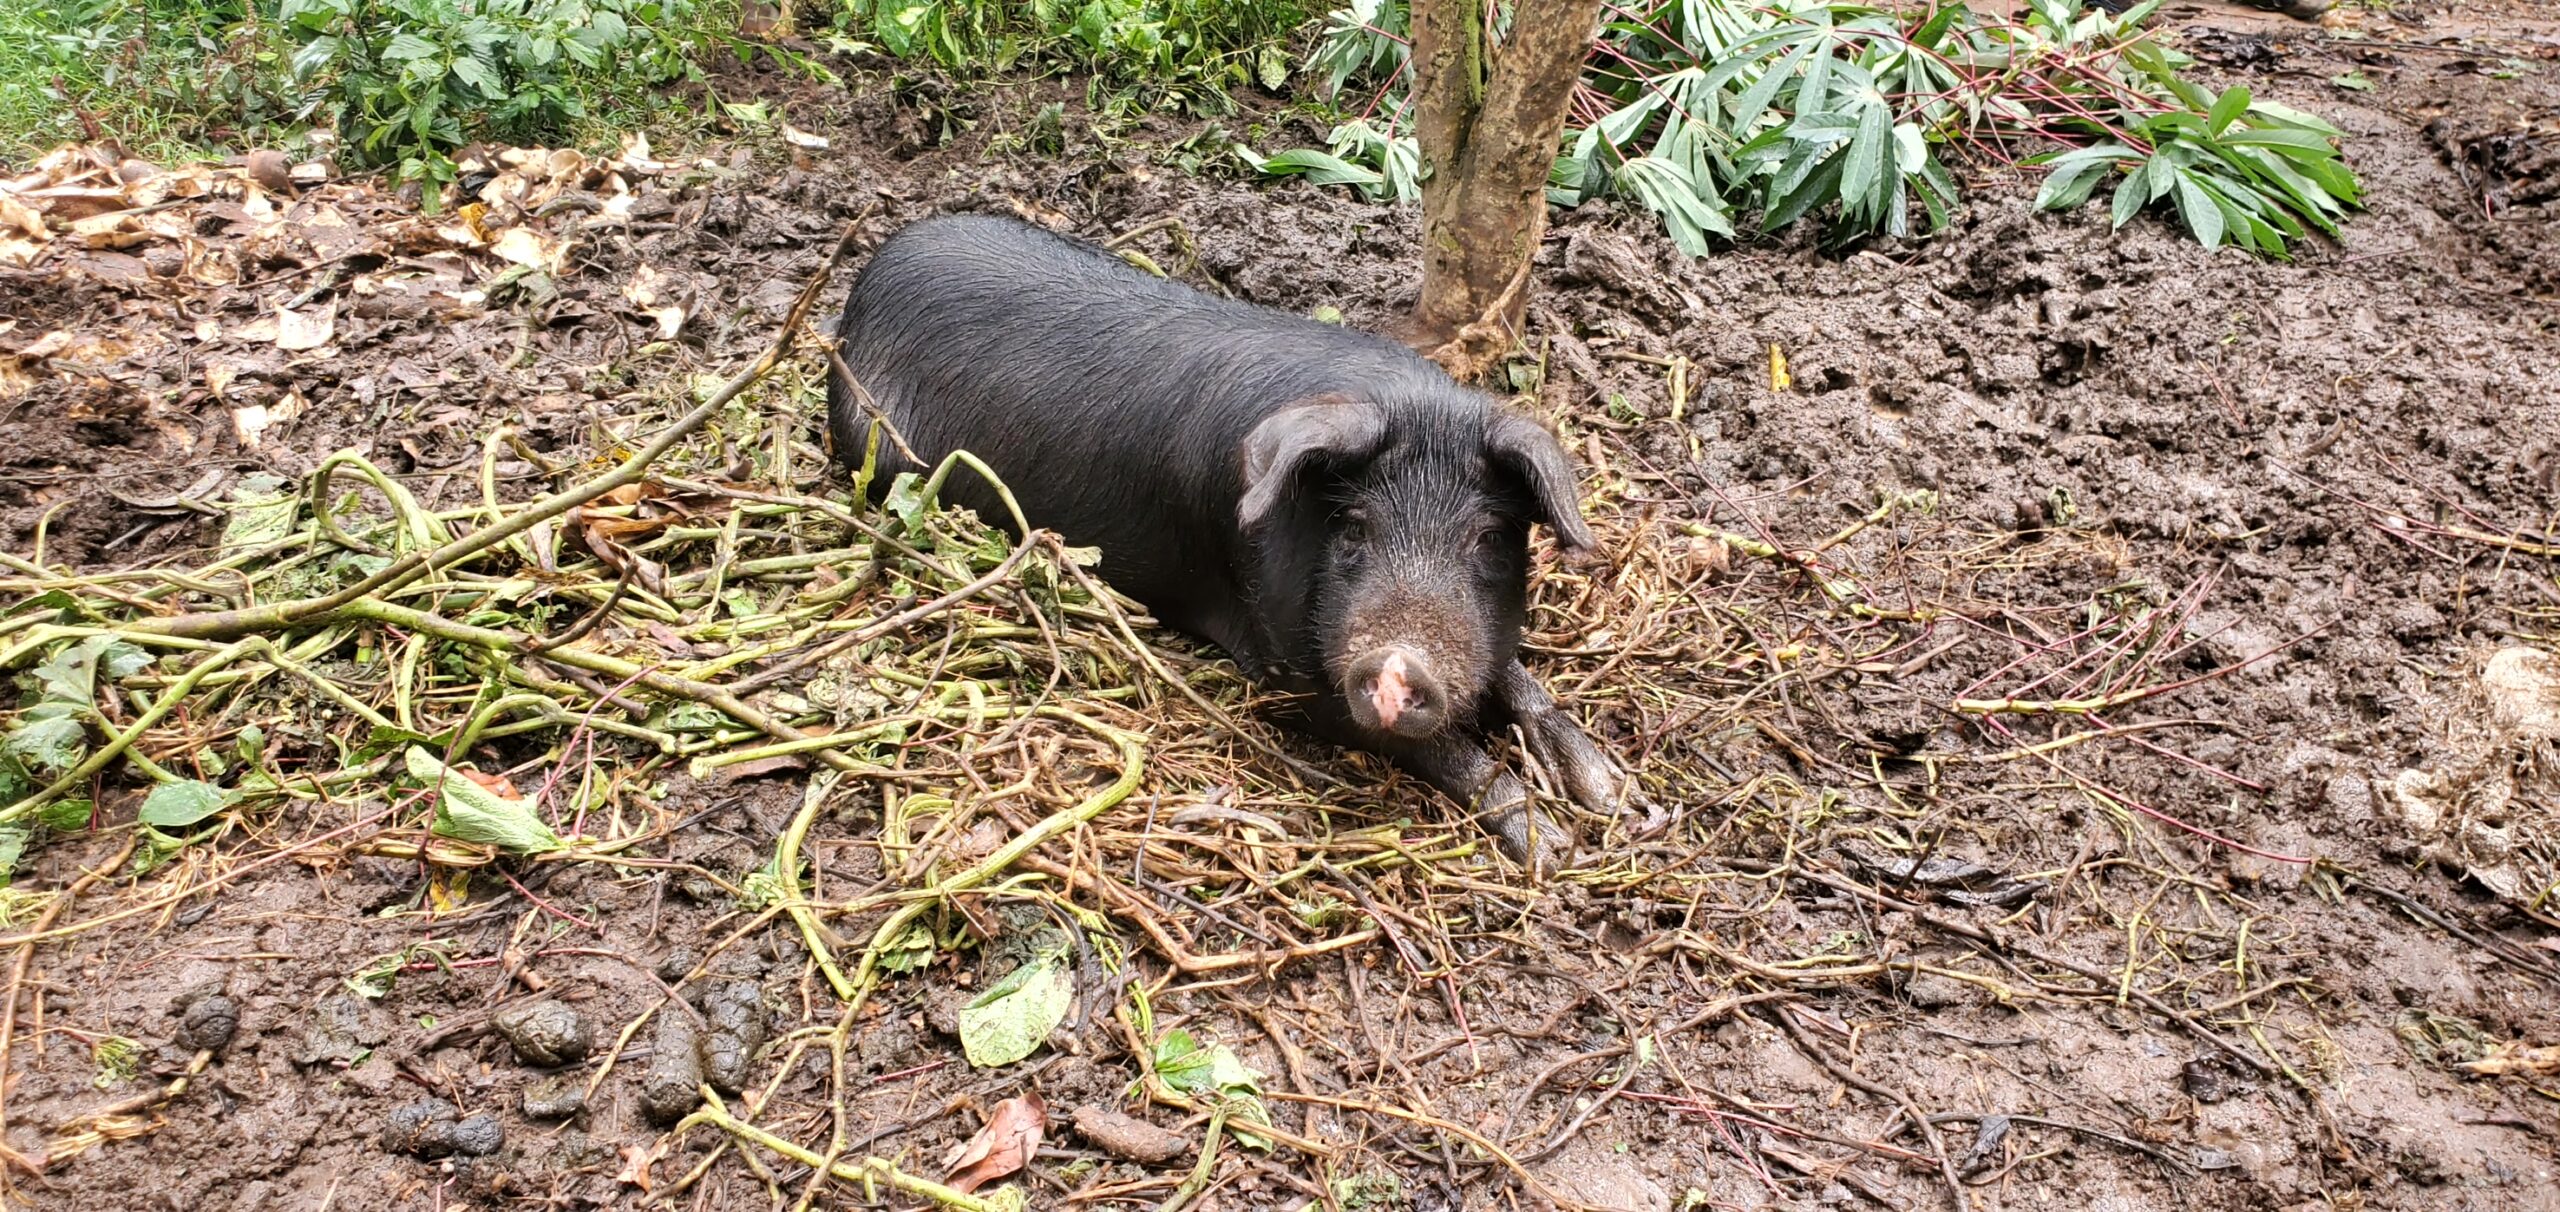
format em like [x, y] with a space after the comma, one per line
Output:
[1355, 526]
[1488, 540]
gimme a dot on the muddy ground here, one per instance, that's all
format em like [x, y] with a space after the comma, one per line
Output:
[2312, 497]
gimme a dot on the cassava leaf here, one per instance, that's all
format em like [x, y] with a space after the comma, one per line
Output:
[2198, 209]
[2227, 109]
[2131, 194]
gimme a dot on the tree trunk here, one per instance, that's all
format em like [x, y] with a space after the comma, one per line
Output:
[1487, 140]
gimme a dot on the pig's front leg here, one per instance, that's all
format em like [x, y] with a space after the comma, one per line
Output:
[1463, 769]
[1586, 773]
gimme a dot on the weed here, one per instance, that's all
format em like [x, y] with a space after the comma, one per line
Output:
[396, 84]
[1139, 54]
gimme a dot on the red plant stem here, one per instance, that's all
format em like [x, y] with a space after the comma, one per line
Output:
[548, 907]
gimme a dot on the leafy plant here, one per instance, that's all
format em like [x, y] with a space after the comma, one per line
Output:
[406, 80]
[1190, 54]
[1712, 113]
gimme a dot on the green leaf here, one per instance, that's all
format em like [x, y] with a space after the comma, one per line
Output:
[1015, 1015]
[2282, 140]
[479, 75]
[67, 815]
[1665, 190]
[1910, 149]
[2227, 108]
[121, 660]
[1213, 1072]
[1818, 187]
[2158, 176]
[2198, 209]
[2129, 199]
[1323, 168]
[183, 803]
[2276, 111]
[1863, 170]
[405, 47]
[13, 843]
[1271, 70]
[467, 811]
[2070, 185]
[260, 512]
[50, 745]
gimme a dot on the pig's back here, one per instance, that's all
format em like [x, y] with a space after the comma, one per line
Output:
[1112, 402]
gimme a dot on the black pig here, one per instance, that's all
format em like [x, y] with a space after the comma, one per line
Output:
[1327, 506]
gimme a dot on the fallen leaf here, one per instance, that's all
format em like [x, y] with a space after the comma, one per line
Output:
[497, 784]
[19, 215]
[298, 330]
[646, 286]
[250, 422]
[2515, 1059]
[271, 170]
[72, 203]
[1779, 379]
[113, 230]
[46, 346]
[1015, 1015]
[803, 139]
[637, 1160]
[635, 155]
[1004, 1146]
[523, 246]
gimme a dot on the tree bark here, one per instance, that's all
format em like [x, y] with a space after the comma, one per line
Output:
[1488, 140]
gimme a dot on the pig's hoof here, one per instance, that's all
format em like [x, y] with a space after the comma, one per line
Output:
[1530, 838]
[1524, 835]
[1591, 778]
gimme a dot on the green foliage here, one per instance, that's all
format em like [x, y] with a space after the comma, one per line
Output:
[1014, 1016]
[404, 81]
[183, 803]
[473, 813]
[401, 83]
[161, 75]
[1158, 54]
[1708, 113]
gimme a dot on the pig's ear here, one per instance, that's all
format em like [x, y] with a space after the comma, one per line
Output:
[1326, 428]
[1532, 453]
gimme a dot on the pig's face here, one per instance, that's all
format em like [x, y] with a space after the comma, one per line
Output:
[1411, 520]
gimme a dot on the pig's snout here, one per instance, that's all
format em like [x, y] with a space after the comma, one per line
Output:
[1394, 690]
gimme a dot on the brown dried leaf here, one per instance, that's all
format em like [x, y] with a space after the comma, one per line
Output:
[72, 203]
[494, 784]
[271, 170]
[18, 216]
[300, 330]
[250, 422]
[524, 246]
[1004, 1146]
[2515, 1059]
[637, 1160]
